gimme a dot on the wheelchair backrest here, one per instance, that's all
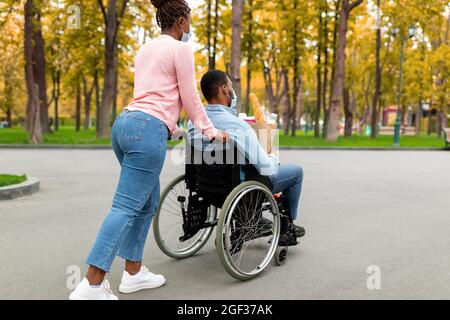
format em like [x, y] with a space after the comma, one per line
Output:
[213, 170]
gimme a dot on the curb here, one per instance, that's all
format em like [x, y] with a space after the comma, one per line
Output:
[56, 146]
[108, 147]
[25, 188]
[362, 149]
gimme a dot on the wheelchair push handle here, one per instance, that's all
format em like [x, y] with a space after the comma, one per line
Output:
[180, 134]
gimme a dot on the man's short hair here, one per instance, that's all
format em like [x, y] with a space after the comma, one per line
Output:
[211, 82]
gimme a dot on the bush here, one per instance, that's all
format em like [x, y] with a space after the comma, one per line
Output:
[9, 179]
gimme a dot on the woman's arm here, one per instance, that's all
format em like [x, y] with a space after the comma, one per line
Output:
[184, 65]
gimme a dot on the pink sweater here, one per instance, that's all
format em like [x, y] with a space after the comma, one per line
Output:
[164, 82]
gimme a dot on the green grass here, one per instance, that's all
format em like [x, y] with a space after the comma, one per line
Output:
[302, 140]
[9, 179]
[67, 135]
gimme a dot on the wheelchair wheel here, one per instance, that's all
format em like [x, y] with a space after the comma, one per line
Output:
[248, 230]
[168, 222]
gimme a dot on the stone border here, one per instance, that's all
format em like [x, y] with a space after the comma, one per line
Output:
[56, 146]
[26, 188]
[363, 148]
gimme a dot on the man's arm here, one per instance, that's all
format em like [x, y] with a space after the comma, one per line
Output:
[248, 143]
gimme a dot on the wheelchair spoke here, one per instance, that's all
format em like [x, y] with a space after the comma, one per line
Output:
[173, 206]
[173, 211]
[238, 262]
[172, 231]
[169, 227]
[252, 220]
[174, 203]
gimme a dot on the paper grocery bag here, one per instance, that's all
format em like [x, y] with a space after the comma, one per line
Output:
[267, 136]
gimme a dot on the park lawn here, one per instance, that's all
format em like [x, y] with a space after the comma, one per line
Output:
[65, 135]
[302, 140]
[68, 136]
[10, 179]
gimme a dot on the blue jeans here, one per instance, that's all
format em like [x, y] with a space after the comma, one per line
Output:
[289, 180]
[139, 142]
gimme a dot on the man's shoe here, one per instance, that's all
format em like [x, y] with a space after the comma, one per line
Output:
[287, 239]
[144, 279]
[84, 291]
[299, 231]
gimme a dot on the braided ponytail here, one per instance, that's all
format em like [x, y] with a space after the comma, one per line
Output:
[170, 10]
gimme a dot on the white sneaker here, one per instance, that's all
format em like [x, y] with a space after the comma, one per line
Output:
[85, 292]
[144, 279]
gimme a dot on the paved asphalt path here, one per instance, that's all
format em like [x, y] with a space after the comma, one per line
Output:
[360, 208]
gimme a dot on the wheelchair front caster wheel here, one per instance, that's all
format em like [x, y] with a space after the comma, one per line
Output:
[280, 256]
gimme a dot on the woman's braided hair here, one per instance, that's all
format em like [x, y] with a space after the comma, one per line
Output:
[169, 10]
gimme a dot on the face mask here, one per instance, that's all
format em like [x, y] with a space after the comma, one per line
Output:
[233, 103]
[187, 36]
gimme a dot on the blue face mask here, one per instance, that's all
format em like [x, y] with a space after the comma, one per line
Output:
[187, 36]
[233, 103]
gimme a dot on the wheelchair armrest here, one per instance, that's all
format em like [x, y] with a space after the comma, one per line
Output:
[251, 174]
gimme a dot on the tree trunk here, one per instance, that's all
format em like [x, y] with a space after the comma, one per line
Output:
[438, 123]
[419, 106]
[114, 106]
[444, 123]
[286, 114]
[249, 57]
[447, 28]
[418, 117]
[325, 65]
[38, 56]
[338, 81]
[297, 114]
[104, 120]
[319, 78]
[247, 92]
[56, 99]
[376, 97]
[429, 127]
[8, 101]
[354, 108]
[216, 30]
[333, 68]
[269, 90]
[112, 24]
[9, 116]
[36, 136]
[97, 97]
[78, 107]
[33, 123]
[403, 117]
[235, 63]
[28, 53]
[208, 34]
[443, 120]
[348, 130]
[296, 72]
[87, 93]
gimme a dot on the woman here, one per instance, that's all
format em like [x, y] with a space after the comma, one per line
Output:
[164, 82]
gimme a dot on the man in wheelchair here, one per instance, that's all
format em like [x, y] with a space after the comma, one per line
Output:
[286, 179]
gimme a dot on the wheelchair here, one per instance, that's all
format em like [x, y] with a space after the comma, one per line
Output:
[250, 222]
